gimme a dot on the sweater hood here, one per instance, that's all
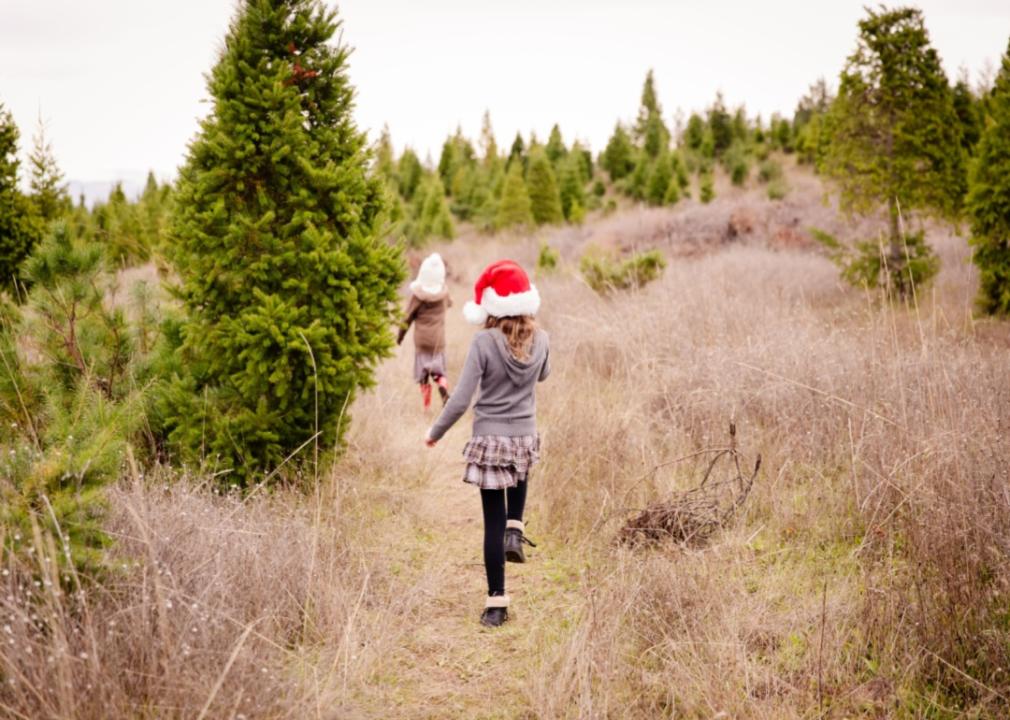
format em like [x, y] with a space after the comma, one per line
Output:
[521, 372]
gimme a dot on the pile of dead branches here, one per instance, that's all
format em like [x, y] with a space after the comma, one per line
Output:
[692, 516]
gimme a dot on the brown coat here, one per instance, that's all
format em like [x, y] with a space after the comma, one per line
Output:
[427, 313]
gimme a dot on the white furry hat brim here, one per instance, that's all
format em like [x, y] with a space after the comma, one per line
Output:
[494, 305]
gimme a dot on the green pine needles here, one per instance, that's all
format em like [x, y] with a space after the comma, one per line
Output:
[545, 199]
[289, 290]
[989, 200]
[894, 138]
[20, 226]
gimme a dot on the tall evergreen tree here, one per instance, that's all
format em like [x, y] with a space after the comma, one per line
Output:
[384, 155]
[968, 110]
[989, 200]
[650, 131]
[894, 137]
[618, 158]
[694, 134]
[514, 209]
[20, 227]
[49, 192]
[808, 136]
[448, 162]
[720, 125]
[660, 180]
[545, 200]
[488, 145]
[638, 182]
[517, 152]
[572, 184]
[555, 147]
[289, 291]
[408, 173]
[430, 214]
[585, 160]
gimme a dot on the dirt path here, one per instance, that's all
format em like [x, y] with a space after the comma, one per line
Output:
[446, 665]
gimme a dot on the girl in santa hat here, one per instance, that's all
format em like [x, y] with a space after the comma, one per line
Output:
[429, 299]
[506, 361]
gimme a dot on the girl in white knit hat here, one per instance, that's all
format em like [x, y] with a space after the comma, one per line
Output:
[429, 299]
[506, 360]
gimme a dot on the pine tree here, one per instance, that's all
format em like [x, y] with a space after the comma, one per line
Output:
[720, 124]
[431, 212]
[20, 227]
[659, 180]
[672, 196]
[894, 137]
[814, 104]
[514, 209]
[384, 154]
[76, 403]
[545, 200]
[572, 184]
[408, 173]
[638, 182]
[153, 210]
[694, 135]
[618, 158]
[448, 162]
[585, 160]
[289, 291]
[488, 145]
[49, 192]
[741, 129]
[650, 130]
[966, 106]
[517, 152]
[706, 191]
[989, 200]
[555, 147]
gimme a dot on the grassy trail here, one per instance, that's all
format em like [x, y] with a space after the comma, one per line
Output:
[445, 664]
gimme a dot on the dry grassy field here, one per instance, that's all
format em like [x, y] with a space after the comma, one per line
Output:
[865, 576]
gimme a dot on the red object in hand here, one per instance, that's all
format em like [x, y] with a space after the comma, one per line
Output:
[429, 442]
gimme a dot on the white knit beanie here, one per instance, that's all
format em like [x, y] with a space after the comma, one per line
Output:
[431, 276]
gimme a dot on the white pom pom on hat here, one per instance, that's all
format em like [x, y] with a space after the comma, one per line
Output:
[502, 290]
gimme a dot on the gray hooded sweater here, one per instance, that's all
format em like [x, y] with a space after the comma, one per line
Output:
[506, 404]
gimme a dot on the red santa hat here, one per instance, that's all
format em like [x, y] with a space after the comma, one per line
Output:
[502, 290]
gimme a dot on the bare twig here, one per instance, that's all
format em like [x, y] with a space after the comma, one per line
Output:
[692, 516]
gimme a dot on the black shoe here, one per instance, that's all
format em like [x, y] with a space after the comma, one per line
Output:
[494, 617]
[514, 540]
[496, 612]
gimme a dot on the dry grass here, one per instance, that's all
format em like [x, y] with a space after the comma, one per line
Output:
[865, 576]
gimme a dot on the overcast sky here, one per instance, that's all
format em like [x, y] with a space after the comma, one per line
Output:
[120, 82]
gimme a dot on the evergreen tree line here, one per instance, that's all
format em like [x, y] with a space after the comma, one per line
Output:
[533, 184]
[129, 230]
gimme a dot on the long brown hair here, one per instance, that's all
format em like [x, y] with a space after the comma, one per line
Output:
[518, 331]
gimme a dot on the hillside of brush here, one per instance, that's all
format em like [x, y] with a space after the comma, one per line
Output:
[859, 579]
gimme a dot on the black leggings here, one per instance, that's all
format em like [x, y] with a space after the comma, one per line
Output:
[495, 515]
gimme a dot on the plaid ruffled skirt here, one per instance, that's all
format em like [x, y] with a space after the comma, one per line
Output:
[496, 462]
